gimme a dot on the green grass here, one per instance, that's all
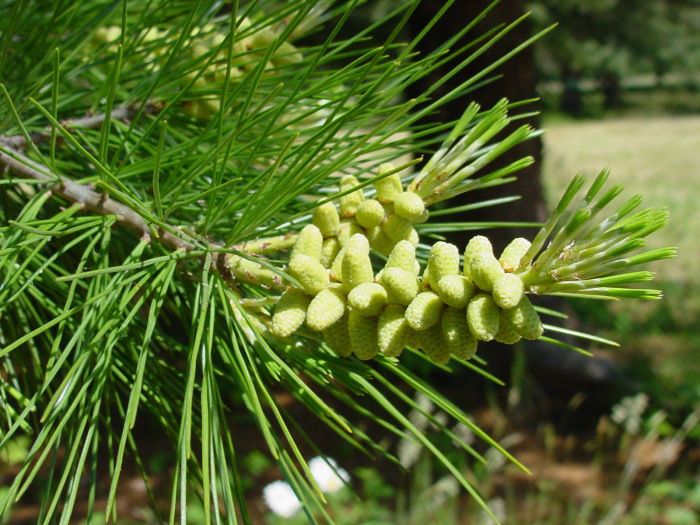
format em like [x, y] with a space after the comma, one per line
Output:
[660, 158]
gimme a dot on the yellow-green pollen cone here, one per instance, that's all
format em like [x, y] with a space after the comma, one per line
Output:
[513, 253]
[410, 206]
[361, 314]
[392, 330]
[508, 290]
[403, 255]
[310, 274]
[337, 336]
[325, 309]
[330, 249]
[337, 266]
[363, 335]
[389, 187]
[350, 202]
[460, 341]
[356, 265]
[443, 260]
[455, 290]
[369, 214]
[379, 241]
[432, 342]
[290, 312]
[525, 320]
[483, 317]
[347, 229]
[401, 286]
[326, 219]
[424, 311]
[309, 242]
[507, 333]
[477, 244]
[252, 271]
[397, 228]
[484, 270]
[368, 298]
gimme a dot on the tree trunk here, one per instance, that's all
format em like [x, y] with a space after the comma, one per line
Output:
[517, 83]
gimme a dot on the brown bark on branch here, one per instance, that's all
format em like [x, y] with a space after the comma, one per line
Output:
[18, 164]
[12, 160]
[122, 113]
[88, 198]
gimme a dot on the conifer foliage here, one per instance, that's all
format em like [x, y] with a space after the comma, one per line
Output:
[205, 203]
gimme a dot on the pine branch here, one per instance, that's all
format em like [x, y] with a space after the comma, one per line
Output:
[238, 267]
[122, 113]
[256, 128]
[88, 198]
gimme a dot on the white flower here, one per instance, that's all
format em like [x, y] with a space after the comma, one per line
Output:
[328, 476]
[281, 499]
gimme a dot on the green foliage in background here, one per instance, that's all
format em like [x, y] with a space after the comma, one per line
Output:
[621, 37]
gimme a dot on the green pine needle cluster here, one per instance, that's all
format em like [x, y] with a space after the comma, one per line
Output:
[582, 252]
[158, 161]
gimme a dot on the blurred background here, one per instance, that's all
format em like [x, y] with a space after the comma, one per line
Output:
[610, 439]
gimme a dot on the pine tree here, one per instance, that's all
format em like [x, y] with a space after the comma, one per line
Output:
[207, 203]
